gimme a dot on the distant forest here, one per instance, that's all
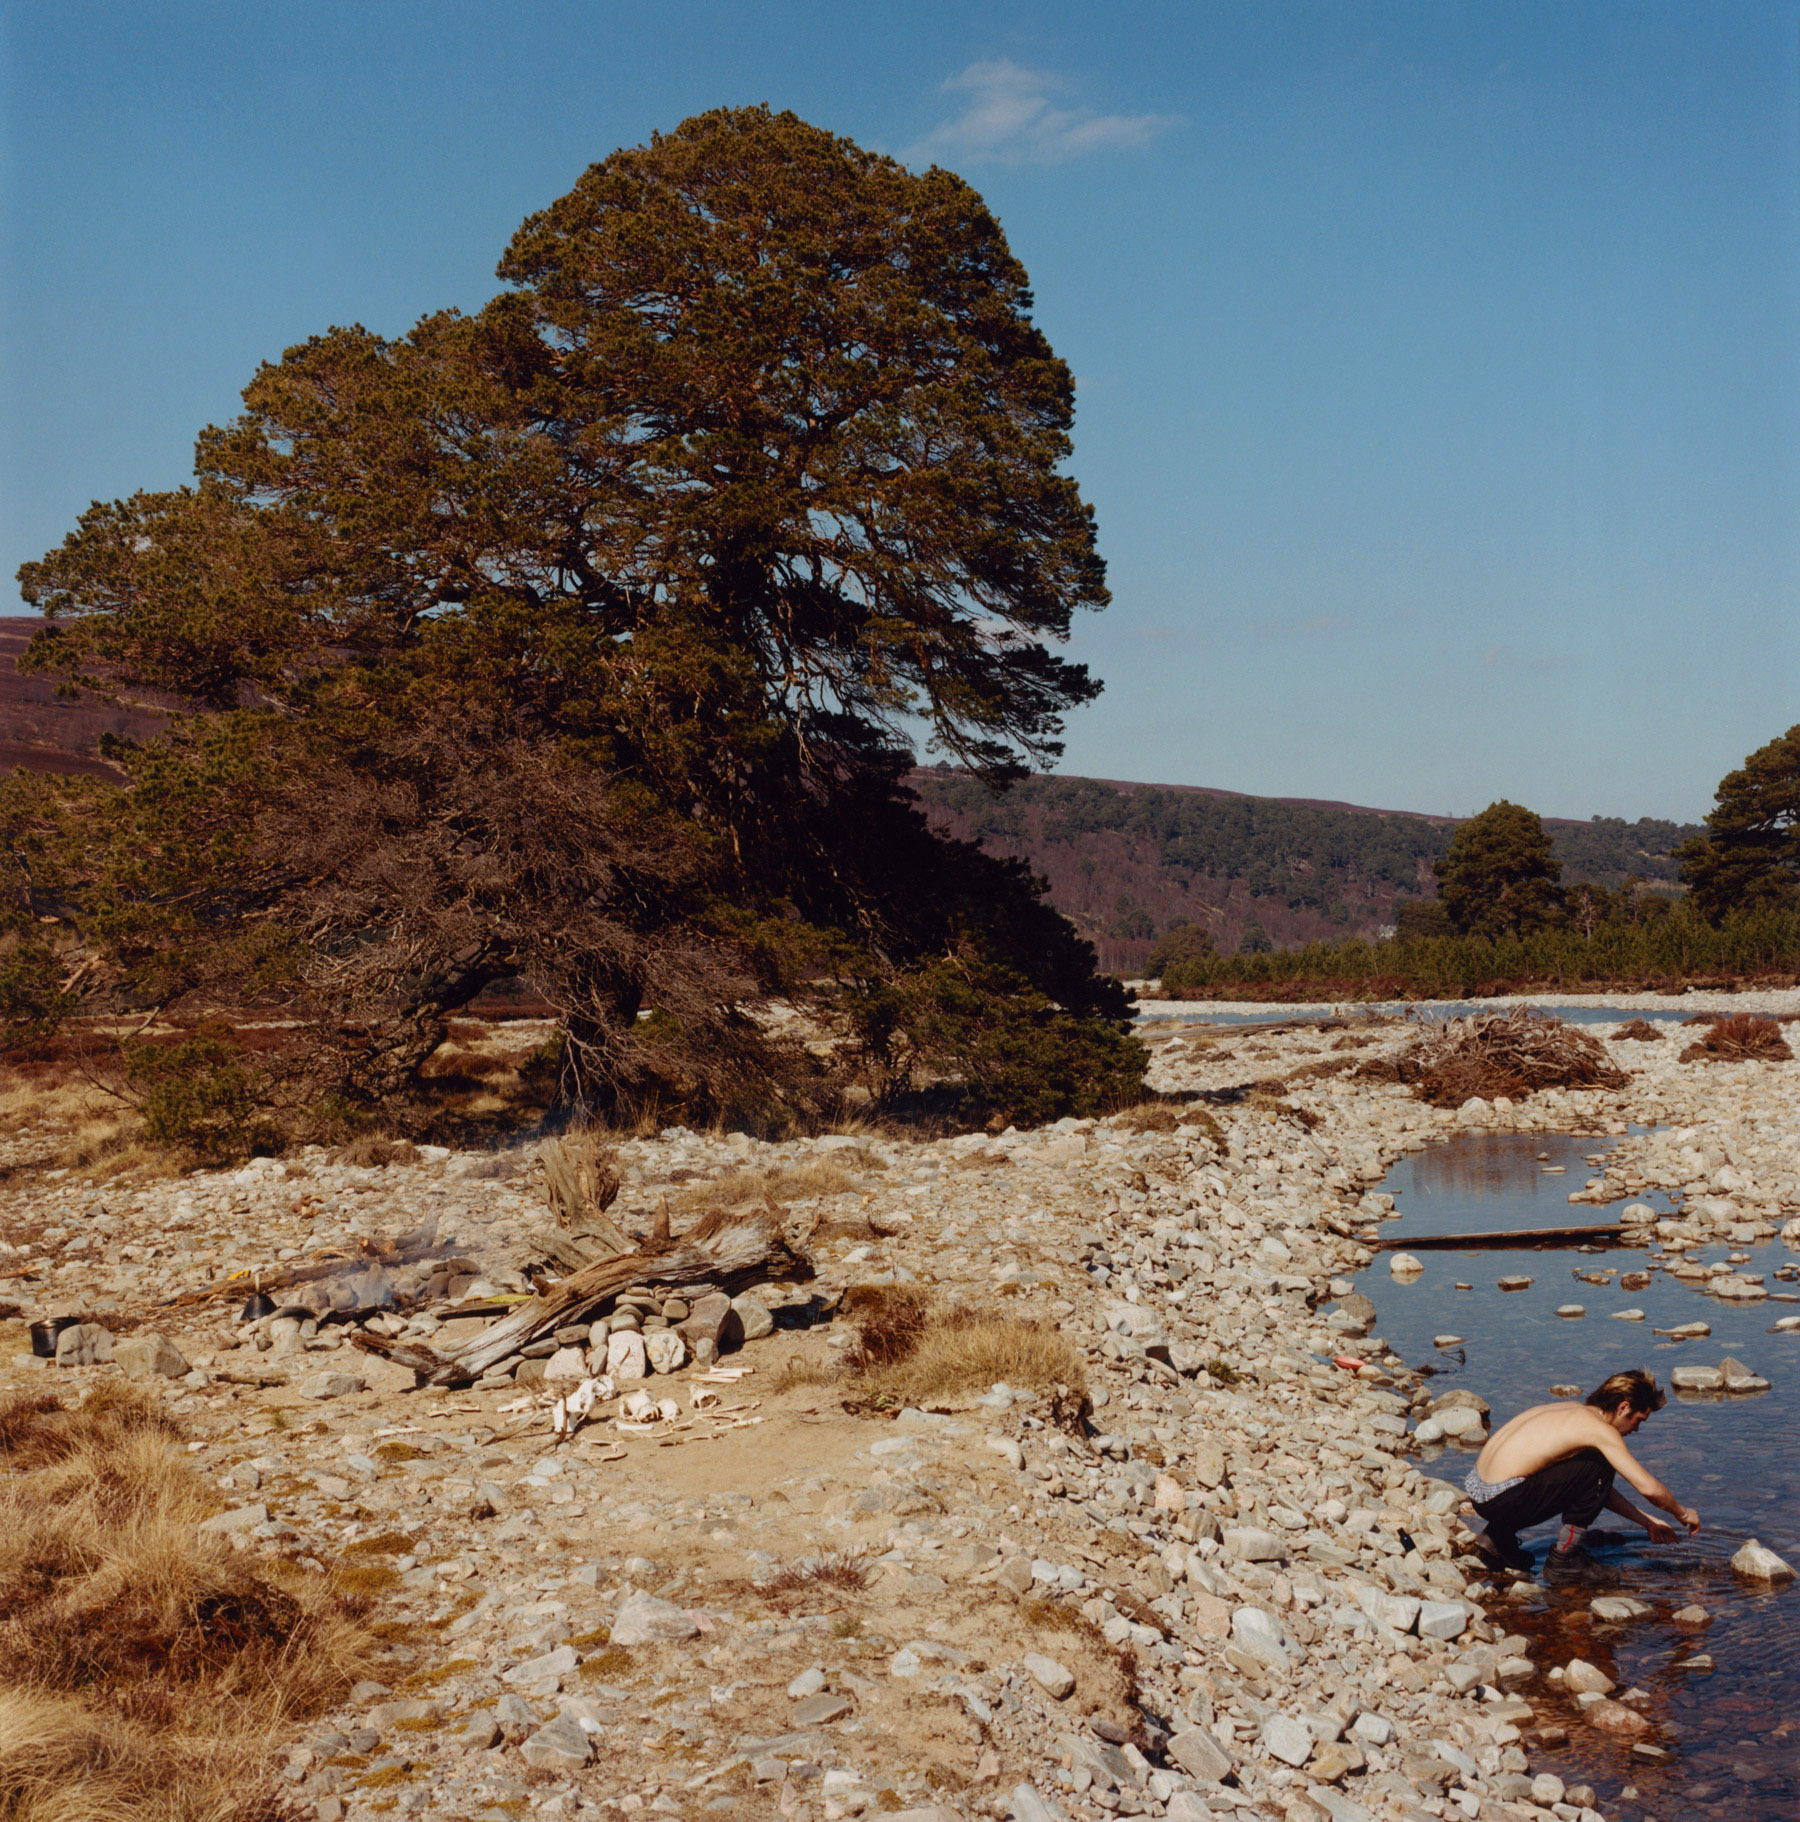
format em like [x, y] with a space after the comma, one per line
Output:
[1126, 862]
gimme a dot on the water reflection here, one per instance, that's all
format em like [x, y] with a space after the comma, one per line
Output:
[1480, 1166]
[1733, 1746]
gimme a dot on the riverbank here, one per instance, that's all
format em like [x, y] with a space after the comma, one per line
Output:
[1770, 1003]
[648, 1621]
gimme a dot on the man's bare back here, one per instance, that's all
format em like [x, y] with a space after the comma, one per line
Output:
[1551, 1432]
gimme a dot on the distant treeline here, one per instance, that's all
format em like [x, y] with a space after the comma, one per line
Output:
[1303, 857]
[1677, 945]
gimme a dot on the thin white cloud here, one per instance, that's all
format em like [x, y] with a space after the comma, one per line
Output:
[1009, 116]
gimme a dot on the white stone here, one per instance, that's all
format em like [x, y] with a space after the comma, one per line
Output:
[643, 1620]
[1028, 1804]
[1287, 1739]
[1005, 1446]
[666, 1350]
[1400, 1611]
[1760, 1564]
[625, 1356]
[1057, 1679]
[566, 1363]
[1259, 1634]
[1442, 1619]
[1405, 1265]
[1252, 1544]
[1582, 1678]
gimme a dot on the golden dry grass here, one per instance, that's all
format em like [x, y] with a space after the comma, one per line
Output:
[779, 1184]
[147, 1670]
[912, 1350]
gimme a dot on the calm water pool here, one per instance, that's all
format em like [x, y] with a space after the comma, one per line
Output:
[1731, 1733]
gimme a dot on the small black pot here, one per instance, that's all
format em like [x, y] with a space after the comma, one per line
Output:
[257, 1308]
[44, 1334]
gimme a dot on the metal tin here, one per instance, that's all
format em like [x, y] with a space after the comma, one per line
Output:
[44, 1334]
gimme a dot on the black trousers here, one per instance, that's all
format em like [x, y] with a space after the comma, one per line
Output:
[1574, 1490]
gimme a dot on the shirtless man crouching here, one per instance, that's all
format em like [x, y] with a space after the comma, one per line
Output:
[1558, 1461]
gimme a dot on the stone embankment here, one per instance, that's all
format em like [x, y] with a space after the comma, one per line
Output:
[1232, 1594]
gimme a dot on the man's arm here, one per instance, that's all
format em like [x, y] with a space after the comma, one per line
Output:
[1659, 1532]
[1612, 1445]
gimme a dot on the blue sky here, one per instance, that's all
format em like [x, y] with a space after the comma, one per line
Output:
[1436, 362]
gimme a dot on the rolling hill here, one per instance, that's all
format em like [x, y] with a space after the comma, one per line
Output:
[1126, 861]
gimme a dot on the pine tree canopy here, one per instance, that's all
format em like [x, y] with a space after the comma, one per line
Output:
[1749, 857]
[584, 638]
[1499, 875]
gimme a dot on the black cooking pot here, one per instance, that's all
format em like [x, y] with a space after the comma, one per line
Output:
[44, 1334]
[257, 1308]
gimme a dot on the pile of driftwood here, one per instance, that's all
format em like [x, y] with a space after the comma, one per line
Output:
[721, 1250]
[1741, 1038]
[591, 1261]
[1639, 1031]
[1497, 1053]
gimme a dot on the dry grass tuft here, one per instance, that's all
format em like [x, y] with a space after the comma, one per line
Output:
[911, 1351]
[146, 1670]
[369, 1150]
[1497, 1053]
[1742, 1038]
[889, 1320]
[845, 1572]
[1147, 1116]
[1639, 1031]
[779, 1184]
[1208, 1126]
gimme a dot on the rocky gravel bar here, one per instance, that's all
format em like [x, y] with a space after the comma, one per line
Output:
[736, 1590]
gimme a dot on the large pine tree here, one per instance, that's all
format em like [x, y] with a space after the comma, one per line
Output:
[586, 639]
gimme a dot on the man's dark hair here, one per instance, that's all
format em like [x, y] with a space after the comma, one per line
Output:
[1634, 1388]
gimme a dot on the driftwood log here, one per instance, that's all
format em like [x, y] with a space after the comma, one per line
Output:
[581, 1182]
[721, 1249]
[329, 1262]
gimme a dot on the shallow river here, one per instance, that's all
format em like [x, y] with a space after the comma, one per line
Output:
[1730, 1734]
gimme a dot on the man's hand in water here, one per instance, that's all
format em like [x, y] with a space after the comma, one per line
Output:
[1659, 1532]
[1691, 1519]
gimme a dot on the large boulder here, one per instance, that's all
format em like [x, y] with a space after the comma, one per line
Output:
[150, 1357]
[86, 1344]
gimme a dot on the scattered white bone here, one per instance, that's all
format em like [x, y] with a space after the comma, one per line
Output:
[572, 1407]
[703, 1398]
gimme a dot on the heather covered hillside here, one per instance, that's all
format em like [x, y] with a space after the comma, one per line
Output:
[1127, 861]
[46, 729]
